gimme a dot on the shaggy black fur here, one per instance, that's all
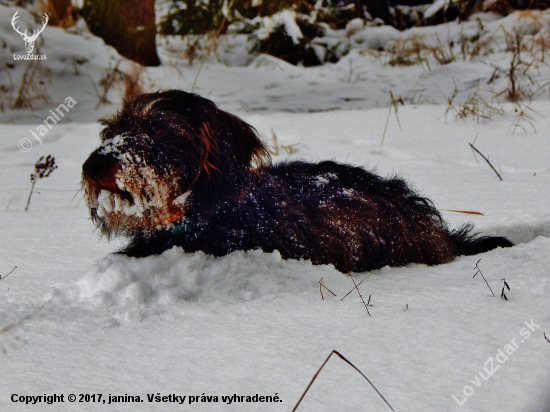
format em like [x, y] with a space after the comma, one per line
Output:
[174, 170]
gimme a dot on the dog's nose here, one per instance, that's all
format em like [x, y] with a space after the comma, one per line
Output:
[97, 166]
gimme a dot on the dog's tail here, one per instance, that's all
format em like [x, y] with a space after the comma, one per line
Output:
[467, 244]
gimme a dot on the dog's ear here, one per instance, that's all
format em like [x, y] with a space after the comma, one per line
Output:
[230, 140]
[231, 151]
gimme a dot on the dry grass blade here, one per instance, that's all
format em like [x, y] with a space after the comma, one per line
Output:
[487, 160]
[334, 352]
[409, 51]
[133, 80]
[359, 284]
[11, 327]
[355, 284]
[528, 52]
[110, 76]
[275, 148]
[450, 99]
[323, 286]
[197, 75]
[522, 116]
[10, 272]
[361, 296]
[393, 104]
[478, 107]
[467, 212]
[32, 86]
[481, 273]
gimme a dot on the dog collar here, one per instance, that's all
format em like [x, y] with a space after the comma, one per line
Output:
[188, 227]
[185, 227]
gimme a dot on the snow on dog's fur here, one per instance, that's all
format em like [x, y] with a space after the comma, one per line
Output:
[174, 169]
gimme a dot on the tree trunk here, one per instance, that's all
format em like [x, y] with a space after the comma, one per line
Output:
[127, 25]
[60, 13]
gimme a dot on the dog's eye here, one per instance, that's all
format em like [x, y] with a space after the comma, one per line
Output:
[157, 131]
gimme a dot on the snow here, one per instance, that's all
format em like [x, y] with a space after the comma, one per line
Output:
[435, 7]
[79, 319]
[268, 24]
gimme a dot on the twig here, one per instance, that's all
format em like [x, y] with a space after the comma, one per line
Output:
[30, 194]
[479, 271]
[320, 290]
[107, 80]
[355, 284]
[546, 337]
[359, 284]
[4, 277]
[487, 160]
[349, 363]
[361, 296]
[10, 326]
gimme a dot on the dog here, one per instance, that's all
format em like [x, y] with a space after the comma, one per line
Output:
[175, 170]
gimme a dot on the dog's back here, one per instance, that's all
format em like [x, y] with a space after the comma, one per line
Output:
[328, 213]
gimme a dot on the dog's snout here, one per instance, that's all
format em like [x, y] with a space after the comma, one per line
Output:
[97, 166]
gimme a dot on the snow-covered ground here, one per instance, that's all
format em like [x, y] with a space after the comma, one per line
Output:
[76, 319]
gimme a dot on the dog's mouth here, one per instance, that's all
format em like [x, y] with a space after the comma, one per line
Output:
[127, 197]
[120, 202]
[106, 195]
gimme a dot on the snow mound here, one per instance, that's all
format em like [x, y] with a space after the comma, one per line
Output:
[523, 229]
[374, 37]
[176, 276]
[266, 61]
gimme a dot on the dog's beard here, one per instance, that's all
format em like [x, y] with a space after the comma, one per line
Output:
[136, 198]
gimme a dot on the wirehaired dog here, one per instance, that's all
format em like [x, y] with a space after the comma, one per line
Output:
[175, 170]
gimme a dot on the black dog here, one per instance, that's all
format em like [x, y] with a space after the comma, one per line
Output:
[173, 169]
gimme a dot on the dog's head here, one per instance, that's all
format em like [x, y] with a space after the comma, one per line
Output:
[162, 151]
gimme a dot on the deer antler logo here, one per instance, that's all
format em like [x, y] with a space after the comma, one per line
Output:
[29, 40]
